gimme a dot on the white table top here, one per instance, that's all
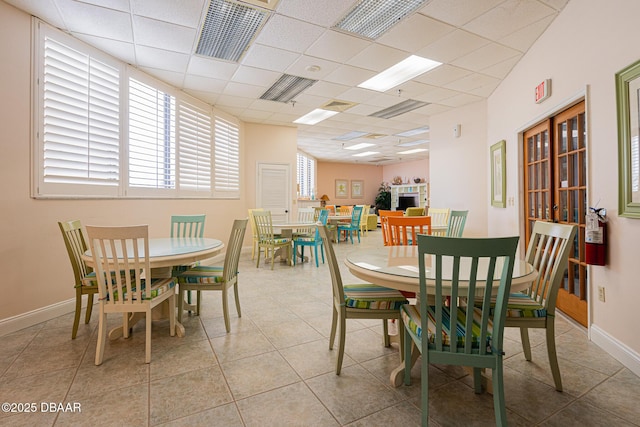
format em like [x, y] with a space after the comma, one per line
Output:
[294, 225]
[397, 267]
[170, 251]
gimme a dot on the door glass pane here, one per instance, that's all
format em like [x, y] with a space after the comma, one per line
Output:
[573, 123]
[538, 148]
[545, 144]
[574, 206]
[562, 144]
[565, 281]
[562, 205]
[545, 205]
[531, 179]
[575, 170]
[532, 204]
[539, 202]
[583, 168]
[576, 279]
[545, 175]
[530, 149]
[583, 140]
[562, 171]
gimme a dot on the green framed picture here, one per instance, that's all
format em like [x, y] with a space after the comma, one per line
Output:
[628, 106]
[498, 175]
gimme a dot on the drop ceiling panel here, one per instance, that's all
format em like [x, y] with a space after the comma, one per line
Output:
[122, 50]
[525, 37]
[337, 47]
[269, 58]
[330, 90]
[501, 69]
[350, 76]
[200, 83]
[513, 14]
[471, 82]
[96, 21]
[485, 57]
[377, 57]
[300, 67]
[288, 34]
[442, 75]
[154, 33]
[458, 12]
[255, 76]
[323, 13]
[161, 59]
[243, 90]
[417, 32]
[208, 67]
[453, 45]
[187, 13]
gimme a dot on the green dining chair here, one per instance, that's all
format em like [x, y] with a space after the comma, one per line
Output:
[447, 330]
[359, 301]
[187, 226]
[84, 277]
[313, 241]
[216, 278]
[455, 226]
[353, 226]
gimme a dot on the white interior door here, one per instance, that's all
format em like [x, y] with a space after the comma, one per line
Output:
[274, 189]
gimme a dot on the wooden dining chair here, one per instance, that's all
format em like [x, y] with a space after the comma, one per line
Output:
[84, 276]
[254, 232]
[121, 253]
[216, 278]
[267, 241]
[353, 226]
[384, 224]
[404, 230]
[361, 301]
[187, 226]
[455, 226]
[455, 333]
[313, 241]
[439, 219]
[548, 251]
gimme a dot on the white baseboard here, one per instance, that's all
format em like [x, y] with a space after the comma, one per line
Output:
[25, 320]
[616, 349]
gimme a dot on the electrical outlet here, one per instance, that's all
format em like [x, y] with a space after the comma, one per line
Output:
[601, 293]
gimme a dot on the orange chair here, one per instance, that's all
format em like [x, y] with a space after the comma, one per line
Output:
[404, 230]
[384, 216]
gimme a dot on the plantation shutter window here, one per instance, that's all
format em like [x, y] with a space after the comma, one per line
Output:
[226, 159]
[194, 142]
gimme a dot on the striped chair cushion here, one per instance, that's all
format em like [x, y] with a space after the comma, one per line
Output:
[157, 288]
[202, 274]
[91, 279]
[373, 297]
[305, 238]
[411, 317]
[522, 305]
[276, 240]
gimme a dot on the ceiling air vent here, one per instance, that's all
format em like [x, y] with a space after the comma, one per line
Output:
[371, 18]
[228, 29]
[267, 4]
[286, 88]
[337, 105]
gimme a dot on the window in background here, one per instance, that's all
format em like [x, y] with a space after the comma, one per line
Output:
[306, 176]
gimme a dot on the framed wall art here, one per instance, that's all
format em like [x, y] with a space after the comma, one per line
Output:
[498, 175]
[342, 189]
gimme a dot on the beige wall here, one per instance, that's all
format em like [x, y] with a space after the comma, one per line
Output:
[581, 52]
[328, 172]
[457, 172]
[36, 270]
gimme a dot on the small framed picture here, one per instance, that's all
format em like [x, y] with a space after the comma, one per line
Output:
[342, 189]
[357, 189]
[498, 175]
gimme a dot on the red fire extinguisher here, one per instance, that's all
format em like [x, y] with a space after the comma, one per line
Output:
[596, 236]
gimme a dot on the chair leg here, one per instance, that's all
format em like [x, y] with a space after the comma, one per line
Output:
[172, 315]
[147, 338]
[424, 383]
[343, 336]
[87, 316]
[225, 309]
[498, 394]
[180, 304]
[477, 380]
[322, 251]
[235, 293]
[334, 324]
[198, 295]
[385, 333]
[76, 318]
[102, 336]
[316, 255]
[407, 358]
[258, 262]
[526, 346]
[553, 357]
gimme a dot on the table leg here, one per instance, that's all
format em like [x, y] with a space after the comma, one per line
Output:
[397, 375]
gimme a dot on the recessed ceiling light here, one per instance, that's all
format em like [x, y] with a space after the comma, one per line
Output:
[401, 72]
[315, 116]
[366, 153]
[413, 132]
[412, 143]
[312, 68]
[400, 108]
[415, 150]
[371, 18]
[359, 146]
[350, 135]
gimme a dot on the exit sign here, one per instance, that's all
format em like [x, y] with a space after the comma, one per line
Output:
[543, 91]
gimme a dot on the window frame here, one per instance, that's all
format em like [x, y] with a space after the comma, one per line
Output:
[123, 189]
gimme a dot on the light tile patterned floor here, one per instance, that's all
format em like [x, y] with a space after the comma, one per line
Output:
[275, 369]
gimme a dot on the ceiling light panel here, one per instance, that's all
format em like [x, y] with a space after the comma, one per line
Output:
[359, 146]
[228, 29]
[350, 135]
[401, 108]
[372, 18]
[415, 150]
[315, 116]
[412, 143]
[413, 132]
[286, 88]
[402, 72]
[366, 153]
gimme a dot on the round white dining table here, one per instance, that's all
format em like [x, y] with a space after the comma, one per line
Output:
[396, 267]
[164, 253]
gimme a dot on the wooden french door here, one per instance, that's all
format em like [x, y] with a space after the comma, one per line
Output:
[555, 183]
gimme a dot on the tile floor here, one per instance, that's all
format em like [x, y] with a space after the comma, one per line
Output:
[275, 369]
